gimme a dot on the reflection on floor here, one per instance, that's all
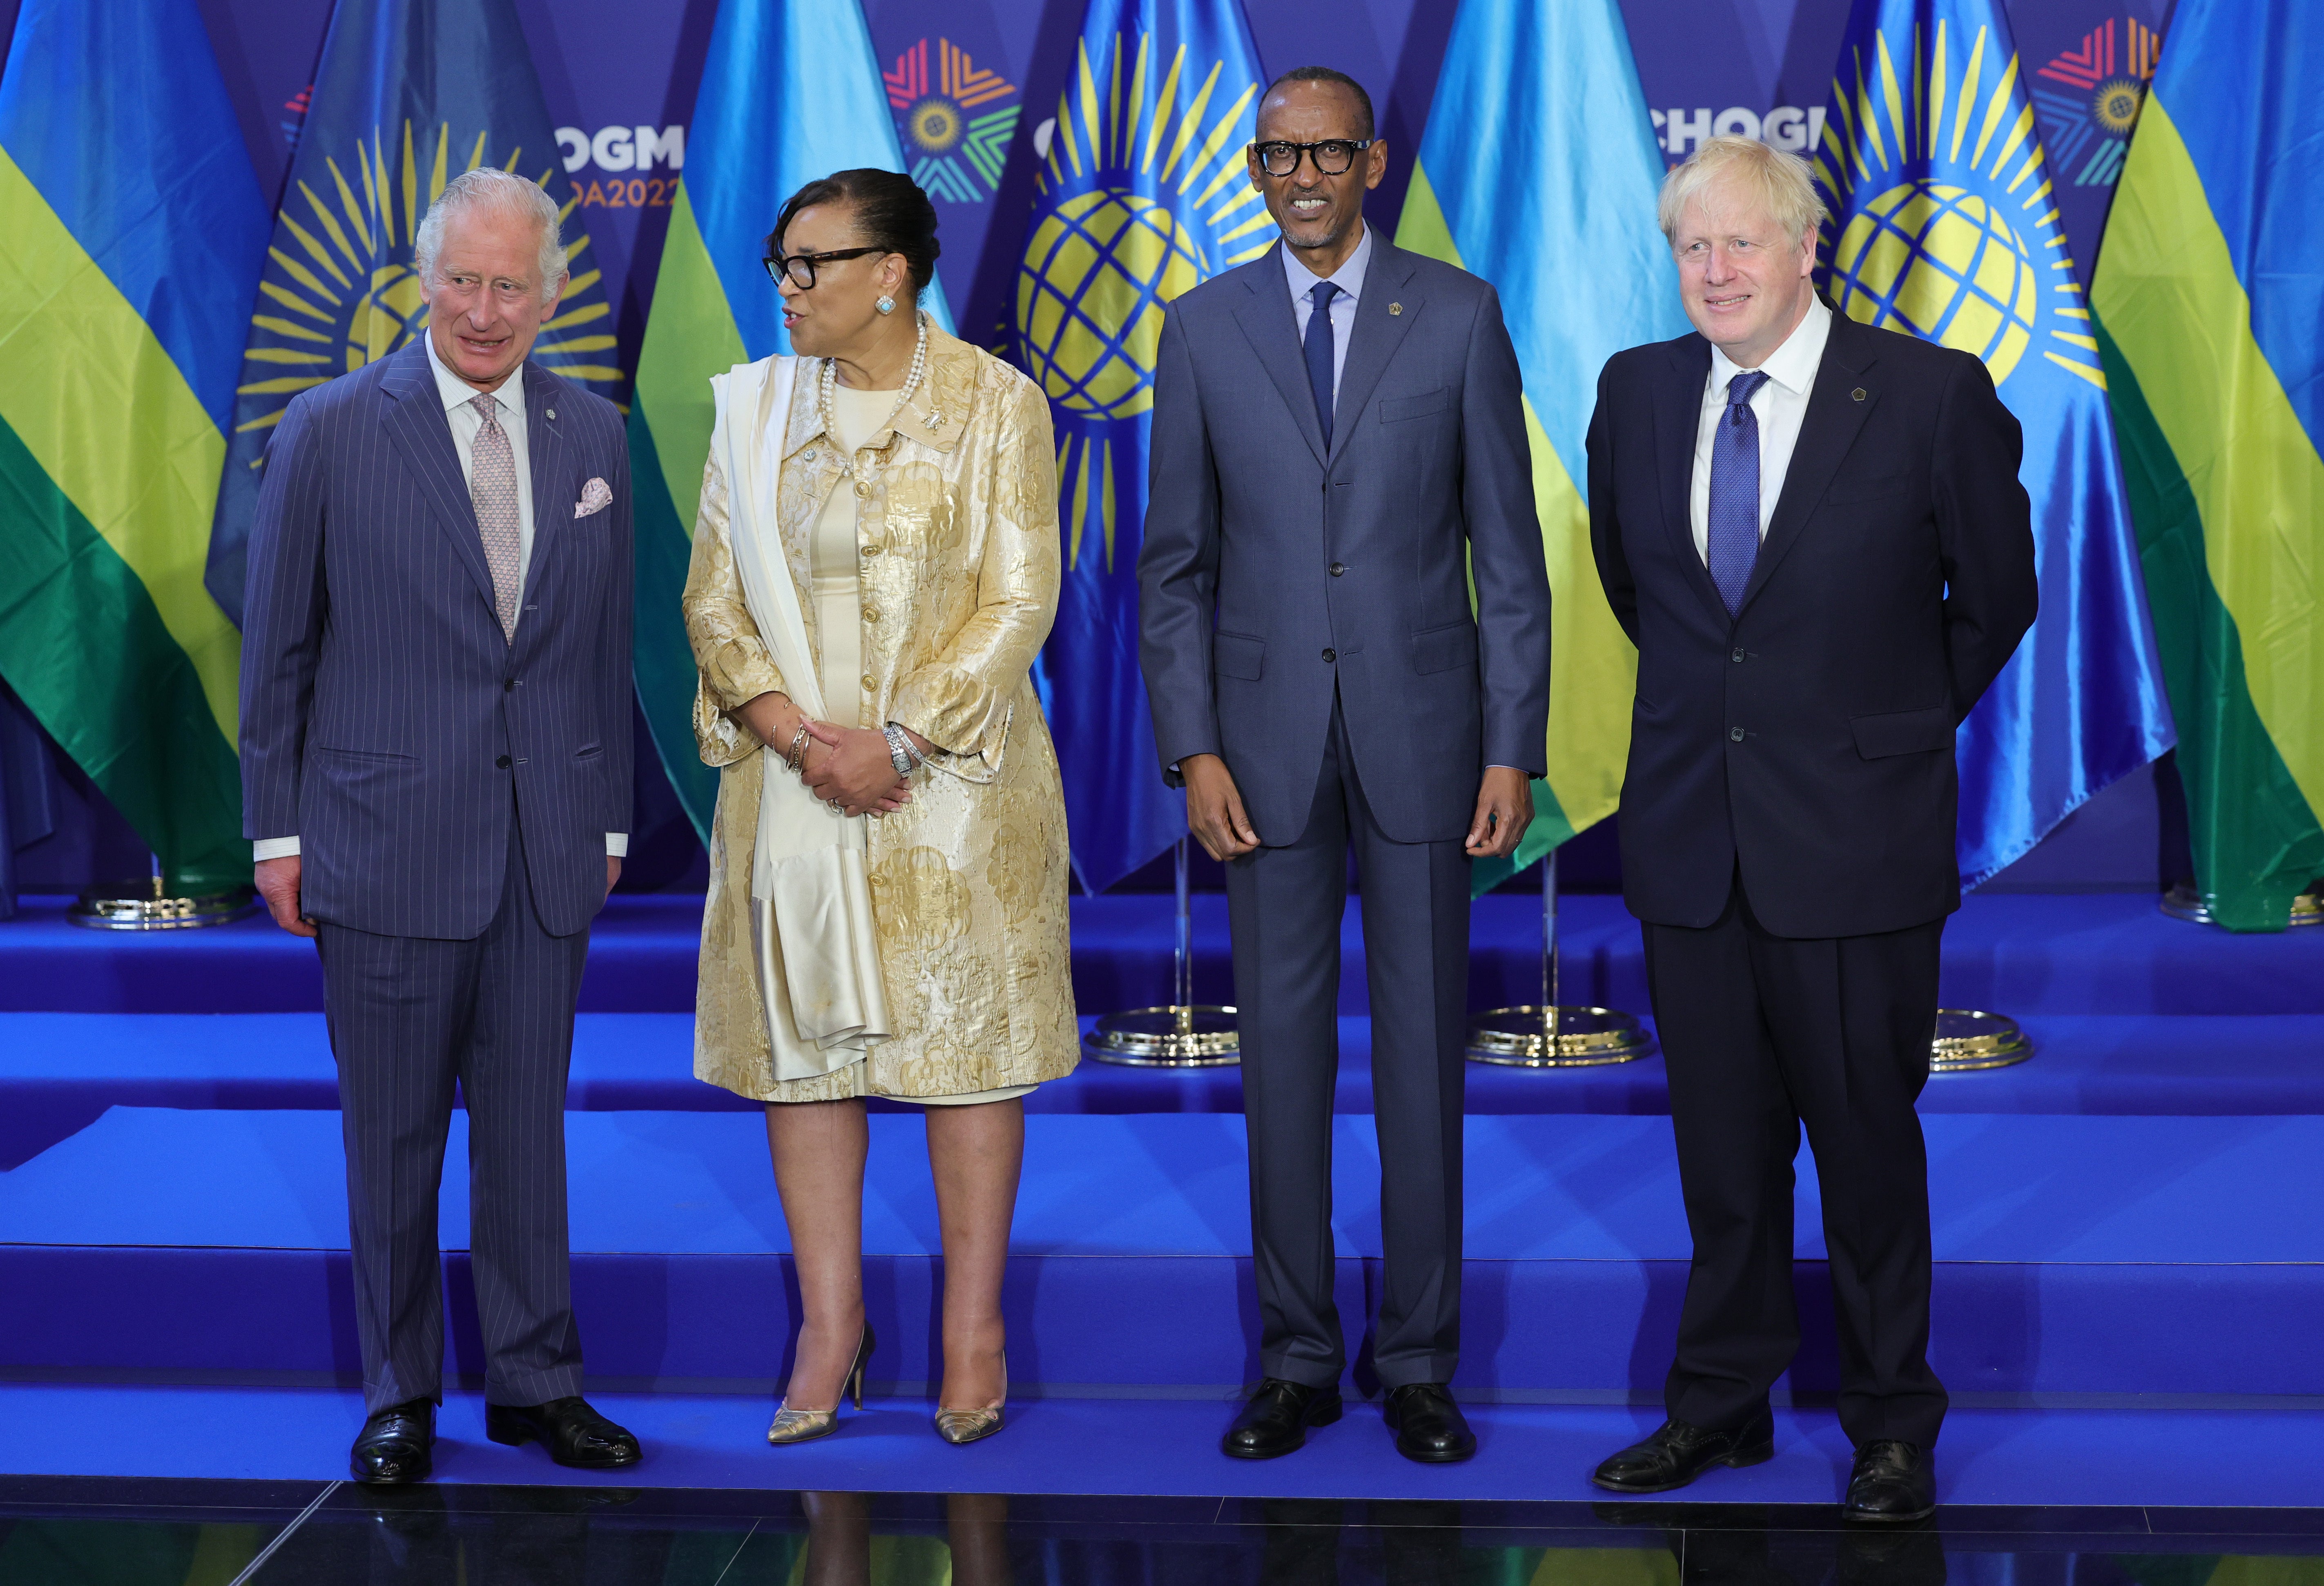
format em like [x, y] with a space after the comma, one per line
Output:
[64, 1532]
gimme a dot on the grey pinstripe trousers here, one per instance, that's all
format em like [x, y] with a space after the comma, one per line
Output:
[409, 1016]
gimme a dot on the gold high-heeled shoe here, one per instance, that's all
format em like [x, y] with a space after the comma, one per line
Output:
[959, 1426]
[792, 1426]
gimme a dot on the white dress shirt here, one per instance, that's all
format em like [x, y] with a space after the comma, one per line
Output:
[459, 411]
[1349, 279]
[1780, 404]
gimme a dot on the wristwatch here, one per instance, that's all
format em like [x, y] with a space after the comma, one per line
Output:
[899, 750]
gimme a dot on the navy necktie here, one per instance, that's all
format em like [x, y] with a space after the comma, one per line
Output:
[1734, 516]
[1319, 353]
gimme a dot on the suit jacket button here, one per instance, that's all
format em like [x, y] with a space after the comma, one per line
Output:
[1330, 655]
[1735, 734]
[1338, 569]
[503, 762]
[1738, 655]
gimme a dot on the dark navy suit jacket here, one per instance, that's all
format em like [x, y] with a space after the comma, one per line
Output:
[385, 721]
[1277, 571]
[1809, 739]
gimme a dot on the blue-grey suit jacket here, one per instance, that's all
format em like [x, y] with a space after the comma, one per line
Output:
[1275, 571]
[385, 721]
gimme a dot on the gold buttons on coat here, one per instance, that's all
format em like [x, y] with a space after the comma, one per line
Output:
[870, 682]
[863, 489]
[870, 613]
[870, 550]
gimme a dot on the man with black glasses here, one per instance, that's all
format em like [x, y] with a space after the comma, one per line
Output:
[1339, 443]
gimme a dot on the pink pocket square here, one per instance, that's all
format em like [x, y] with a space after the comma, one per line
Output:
[594, 498]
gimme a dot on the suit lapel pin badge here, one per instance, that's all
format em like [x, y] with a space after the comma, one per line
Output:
[1857, 394]
[1396, 308]
[594, 498]
[552, 412]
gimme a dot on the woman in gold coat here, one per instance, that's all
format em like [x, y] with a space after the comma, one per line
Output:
[916, 501]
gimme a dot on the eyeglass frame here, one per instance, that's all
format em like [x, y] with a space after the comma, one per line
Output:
[1311, 152]
[779, 265]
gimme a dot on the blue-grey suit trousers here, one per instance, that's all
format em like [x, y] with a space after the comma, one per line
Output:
[1284, 906]
[408, 1017]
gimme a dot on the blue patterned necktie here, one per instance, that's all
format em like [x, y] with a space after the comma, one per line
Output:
[1734, 526]
[1319, 353]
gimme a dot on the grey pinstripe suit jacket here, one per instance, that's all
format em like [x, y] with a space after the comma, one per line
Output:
[383, 715]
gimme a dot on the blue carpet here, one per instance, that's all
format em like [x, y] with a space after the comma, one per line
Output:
[1163, 1448]
[2076, 1255]
[2024, 954]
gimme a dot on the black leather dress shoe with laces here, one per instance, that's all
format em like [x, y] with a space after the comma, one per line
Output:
[1892, 1483]
[1429, 1426]
[393, 1446]
[573, 1434]
[1275, 1419]
[1677, 1453]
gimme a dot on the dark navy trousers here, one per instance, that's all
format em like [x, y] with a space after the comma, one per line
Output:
[409, 1016]
[1284, 906]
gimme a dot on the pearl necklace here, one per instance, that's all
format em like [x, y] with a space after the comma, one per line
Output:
[830, 379]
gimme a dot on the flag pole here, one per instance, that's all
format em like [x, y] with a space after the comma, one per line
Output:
[1550, 1034]
[1181, 1035]
[119, 906]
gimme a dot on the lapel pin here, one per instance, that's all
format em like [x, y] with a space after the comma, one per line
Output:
[552, 412]
[1396, 308]
[1857, 394]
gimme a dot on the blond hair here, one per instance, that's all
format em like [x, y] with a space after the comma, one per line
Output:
[1772, 181]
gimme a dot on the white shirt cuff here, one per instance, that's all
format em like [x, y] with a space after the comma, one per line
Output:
[267, 848]
[617, 844]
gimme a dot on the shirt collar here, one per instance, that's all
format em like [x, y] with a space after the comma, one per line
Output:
[457, 392]
[1791, 365]
[1349, 277]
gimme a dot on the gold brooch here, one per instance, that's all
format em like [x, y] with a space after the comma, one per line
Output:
[1396, 308]
[1857, 394]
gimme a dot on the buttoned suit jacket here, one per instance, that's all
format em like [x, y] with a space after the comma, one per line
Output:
[1808, 739]
[385, 720]
[1276, 570]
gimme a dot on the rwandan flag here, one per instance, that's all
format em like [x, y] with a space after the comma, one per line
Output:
[1526, 177]
[2210, 301]
[131, 236]
[1142, 194]
[790, 91]
[409, 94]
[1947, 229]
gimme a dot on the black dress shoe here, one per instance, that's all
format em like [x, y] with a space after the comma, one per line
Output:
[1893, 1482]
[393, 1447]
[573, 1434]
[1275, 1419]
[1429, 1426]
[1677, 1453]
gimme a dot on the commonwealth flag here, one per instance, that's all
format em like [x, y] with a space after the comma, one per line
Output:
[130, 234]
[790, 91]
[409, 94]
[1539, 172]
[1141, 193]
[2210, 304]
[1946, 228]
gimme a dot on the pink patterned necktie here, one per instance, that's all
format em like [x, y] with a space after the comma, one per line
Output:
[492, 487]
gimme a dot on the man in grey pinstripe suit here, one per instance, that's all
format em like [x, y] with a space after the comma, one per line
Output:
[436, 771]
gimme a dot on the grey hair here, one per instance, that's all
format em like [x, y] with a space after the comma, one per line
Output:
[1777, 183]
[485, 188]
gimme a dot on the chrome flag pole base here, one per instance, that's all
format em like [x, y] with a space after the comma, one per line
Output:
[1967, 1041]
[2186, 902]
[101, 911]
[1533, 1036]
[1167, 1037]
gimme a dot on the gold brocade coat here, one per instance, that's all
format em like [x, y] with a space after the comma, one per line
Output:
[960, 566]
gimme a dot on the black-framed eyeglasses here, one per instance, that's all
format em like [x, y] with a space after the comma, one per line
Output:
[1333, 156]
[801, 267]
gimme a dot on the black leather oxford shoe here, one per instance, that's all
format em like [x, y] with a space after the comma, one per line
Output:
[1275, 1419]
[393, 1446]
[1429, 1426]
[1677, 1453]
[1893, 1482]
[573, 1434]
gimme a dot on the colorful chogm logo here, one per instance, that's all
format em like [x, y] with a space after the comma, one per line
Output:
[2088, 99]
[955, 145]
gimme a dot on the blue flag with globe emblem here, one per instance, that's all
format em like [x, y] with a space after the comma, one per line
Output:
[408, 95]
[1141, 194]
[1946, 227]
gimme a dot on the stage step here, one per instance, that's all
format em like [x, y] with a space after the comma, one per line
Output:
[58, 1071]
[2078, 1256]
[2019, 953]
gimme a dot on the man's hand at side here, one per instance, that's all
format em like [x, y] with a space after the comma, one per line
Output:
[613, 872]
[1214, 810]
[277, 881]
[1504, 811]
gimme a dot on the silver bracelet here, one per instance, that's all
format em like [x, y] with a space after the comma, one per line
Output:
[899, 750]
